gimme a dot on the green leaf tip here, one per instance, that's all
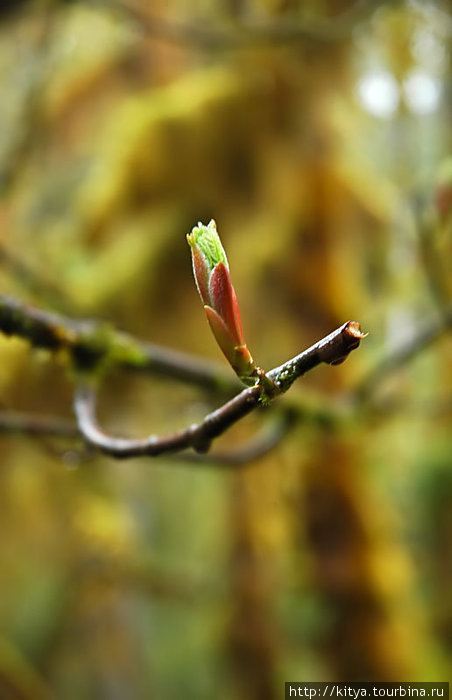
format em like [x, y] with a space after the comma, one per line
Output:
[207, 241]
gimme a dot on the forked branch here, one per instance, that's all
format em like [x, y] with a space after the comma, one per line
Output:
[331, 350]
[93, 348]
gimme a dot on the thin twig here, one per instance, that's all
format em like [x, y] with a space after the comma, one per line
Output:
[198, 436]
[331, 350]
[37, 426]
[261, 444]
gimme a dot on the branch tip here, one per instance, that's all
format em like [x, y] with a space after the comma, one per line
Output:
[353, 328]
[338, 345]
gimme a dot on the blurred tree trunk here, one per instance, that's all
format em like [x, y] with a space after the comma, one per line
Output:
[342, 534]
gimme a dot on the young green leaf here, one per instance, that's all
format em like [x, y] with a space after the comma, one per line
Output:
[211, 272]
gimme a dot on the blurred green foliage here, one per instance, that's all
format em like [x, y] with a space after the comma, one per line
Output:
[314, 141]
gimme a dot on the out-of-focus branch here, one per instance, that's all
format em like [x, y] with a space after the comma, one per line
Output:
[91, 343]
[440, 18]
[36, 425]
[426, 334]
[31, 278]
[427, 223]
[331, 350]
[430, 330]
[220, 37]
[30, 90]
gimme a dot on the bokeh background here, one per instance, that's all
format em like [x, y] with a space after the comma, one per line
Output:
[317, 134]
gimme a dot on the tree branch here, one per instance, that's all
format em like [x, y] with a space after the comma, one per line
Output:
[91, 339]
[261, 444]
[198, 436]
[331, 350]
[266, 439]
[426, 334]
[91, 343]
